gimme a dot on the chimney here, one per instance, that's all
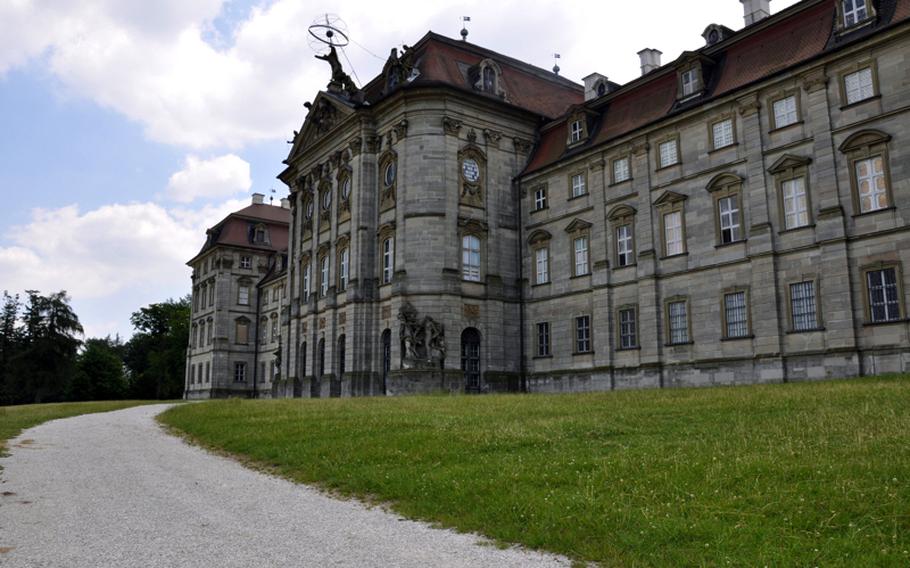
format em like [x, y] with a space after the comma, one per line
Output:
[258, 198]
[650, 59]
[755, 10]
[285, 203]
[595, 85]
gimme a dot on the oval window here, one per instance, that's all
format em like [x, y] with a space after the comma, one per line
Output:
[346, 189]
[326, 200]
[309, 209]
[470, 170]
[389, 174]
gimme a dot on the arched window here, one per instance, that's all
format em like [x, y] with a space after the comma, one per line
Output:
[489, 80]
[470, 258]
[242, 331]
[470, 359]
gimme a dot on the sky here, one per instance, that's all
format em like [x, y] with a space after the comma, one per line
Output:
[128, 127]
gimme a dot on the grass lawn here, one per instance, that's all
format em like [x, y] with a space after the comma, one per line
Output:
[809, 474]
[14, 419]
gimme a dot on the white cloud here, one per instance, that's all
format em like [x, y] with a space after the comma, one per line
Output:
[214, 178]
[111, 260]
[151, 61]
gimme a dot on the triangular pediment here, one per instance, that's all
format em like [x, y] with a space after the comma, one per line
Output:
[578, 225]
[669, 197]
[787, 162]
[325, 114]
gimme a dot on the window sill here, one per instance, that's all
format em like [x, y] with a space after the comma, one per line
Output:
[730, 244]
[620, 182]
[777, 129]
[738, 338]
[722, 148]
[542, 357]
[668, 166]
[810, 330]
[796, 229]
[580, 353]
[682, 254]
[539, 284]
[636, 348]
[882, 210]
[579, 275]
[544, 208]
[844, 29]
[631, 265]
[682, 344]
[848, 106]
[889, 322]
[574, 197]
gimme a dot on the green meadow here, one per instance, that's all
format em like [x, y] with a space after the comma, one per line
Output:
[807, 474]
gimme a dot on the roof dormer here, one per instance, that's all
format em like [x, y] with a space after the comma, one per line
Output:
[579, 123]
[716, 33]
[486, 77]
[693, 71]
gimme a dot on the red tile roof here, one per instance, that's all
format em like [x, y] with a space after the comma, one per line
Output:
[793, 37]
[235, 229]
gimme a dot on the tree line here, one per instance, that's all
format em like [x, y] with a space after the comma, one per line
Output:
[43, 357]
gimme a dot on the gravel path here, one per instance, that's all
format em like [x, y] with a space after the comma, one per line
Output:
[113, 489]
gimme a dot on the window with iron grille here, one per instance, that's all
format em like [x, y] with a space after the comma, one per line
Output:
[884, 304]
[803, 306]
[543, 339]
[582, 334]
[678, 322]
[628, 334]
[735, 314]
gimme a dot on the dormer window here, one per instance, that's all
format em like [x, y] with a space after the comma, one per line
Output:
[487, 78]
[854, 12]
[601, 89]
[260, 235]
[690, 82]
[575, 131]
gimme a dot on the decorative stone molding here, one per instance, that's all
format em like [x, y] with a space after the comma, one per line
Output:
[451, 126]
[401, 129]
[388, 180]
[472, 136]
[472, 165]
[814, 79]
[471, 311]
[492, 136]
[748, 105]
[640, 147]
[596, 165]
[373, 144]
[522, 145]
[472, 226]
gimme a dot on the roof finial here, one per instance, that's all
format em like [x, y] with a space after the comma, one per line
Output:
[556, 63]
[464, 27]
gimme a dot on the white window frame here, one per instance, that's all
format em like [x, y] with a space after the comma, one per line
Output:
[875, 193]
[575, 131]
[388, 259]
[628, 328]
[857, 13]
[542, 265]
[722, 134]
[859, 85]
[345, 262]
[796, 202]
[625, 256]
[678, 322]
[579, 185]
[239, 372]
[540, 198]
[470, 258]
[673, 233]
[580, 248]
[243, 295]
[669, 153]
[689, 80]
[730, 218]
[785, 111]
[306, 281]
[622, 170]
[324, 276]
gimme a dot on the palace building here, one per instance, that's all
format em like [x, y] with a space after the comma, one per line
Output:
[468, 222]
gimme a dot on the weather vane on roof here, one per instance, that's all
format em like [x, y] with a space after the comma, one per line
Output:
[327, 33]
[464, 27]
[556, 63]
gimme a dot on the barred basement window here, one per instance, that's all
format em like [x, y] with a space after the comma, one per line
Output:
[882, 289]
[240, 372]
[735, 315]
[803, 306]
[583, 334]
[678, 322]
[543, 339]
[628, 334]
[542, 260]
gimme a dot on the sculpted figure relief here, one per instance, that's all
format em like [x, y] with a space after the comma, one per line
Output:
[423, 341]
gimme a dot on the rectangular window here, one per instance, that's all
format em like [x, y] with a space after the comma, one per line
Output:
[673, 234]
[803, 306]
[858, 86]
[728, 215]
[543, 339]
[689, 82]
[542, 260]
[669, 153]
[274, 329]
[578, 185]
[243, 332]
[785, 112]
[239, 372]
[621, 170]
[211, 294]
[722, 133]
[388, 251]
[581, 256]
[735, 314]
[243, 296]
[871, 183]
[540, 198]
[624, 256]
[884, 304]
[324, 276]
[306, 281]
[576, 131]
[796, 206]
[209, 331]
[192, 374]
[628, 334]
[246, 262]
[678, 322]
[470, 258]
[854, 12]
[274, 294]
[583, 334]
[345, 262]
[208, 372]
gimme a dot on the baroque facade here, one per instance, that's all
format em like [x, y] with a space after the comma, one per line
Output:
[468, 222]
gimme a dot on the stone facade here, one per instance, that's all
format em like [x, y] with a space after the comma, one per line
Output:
[467, 222]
